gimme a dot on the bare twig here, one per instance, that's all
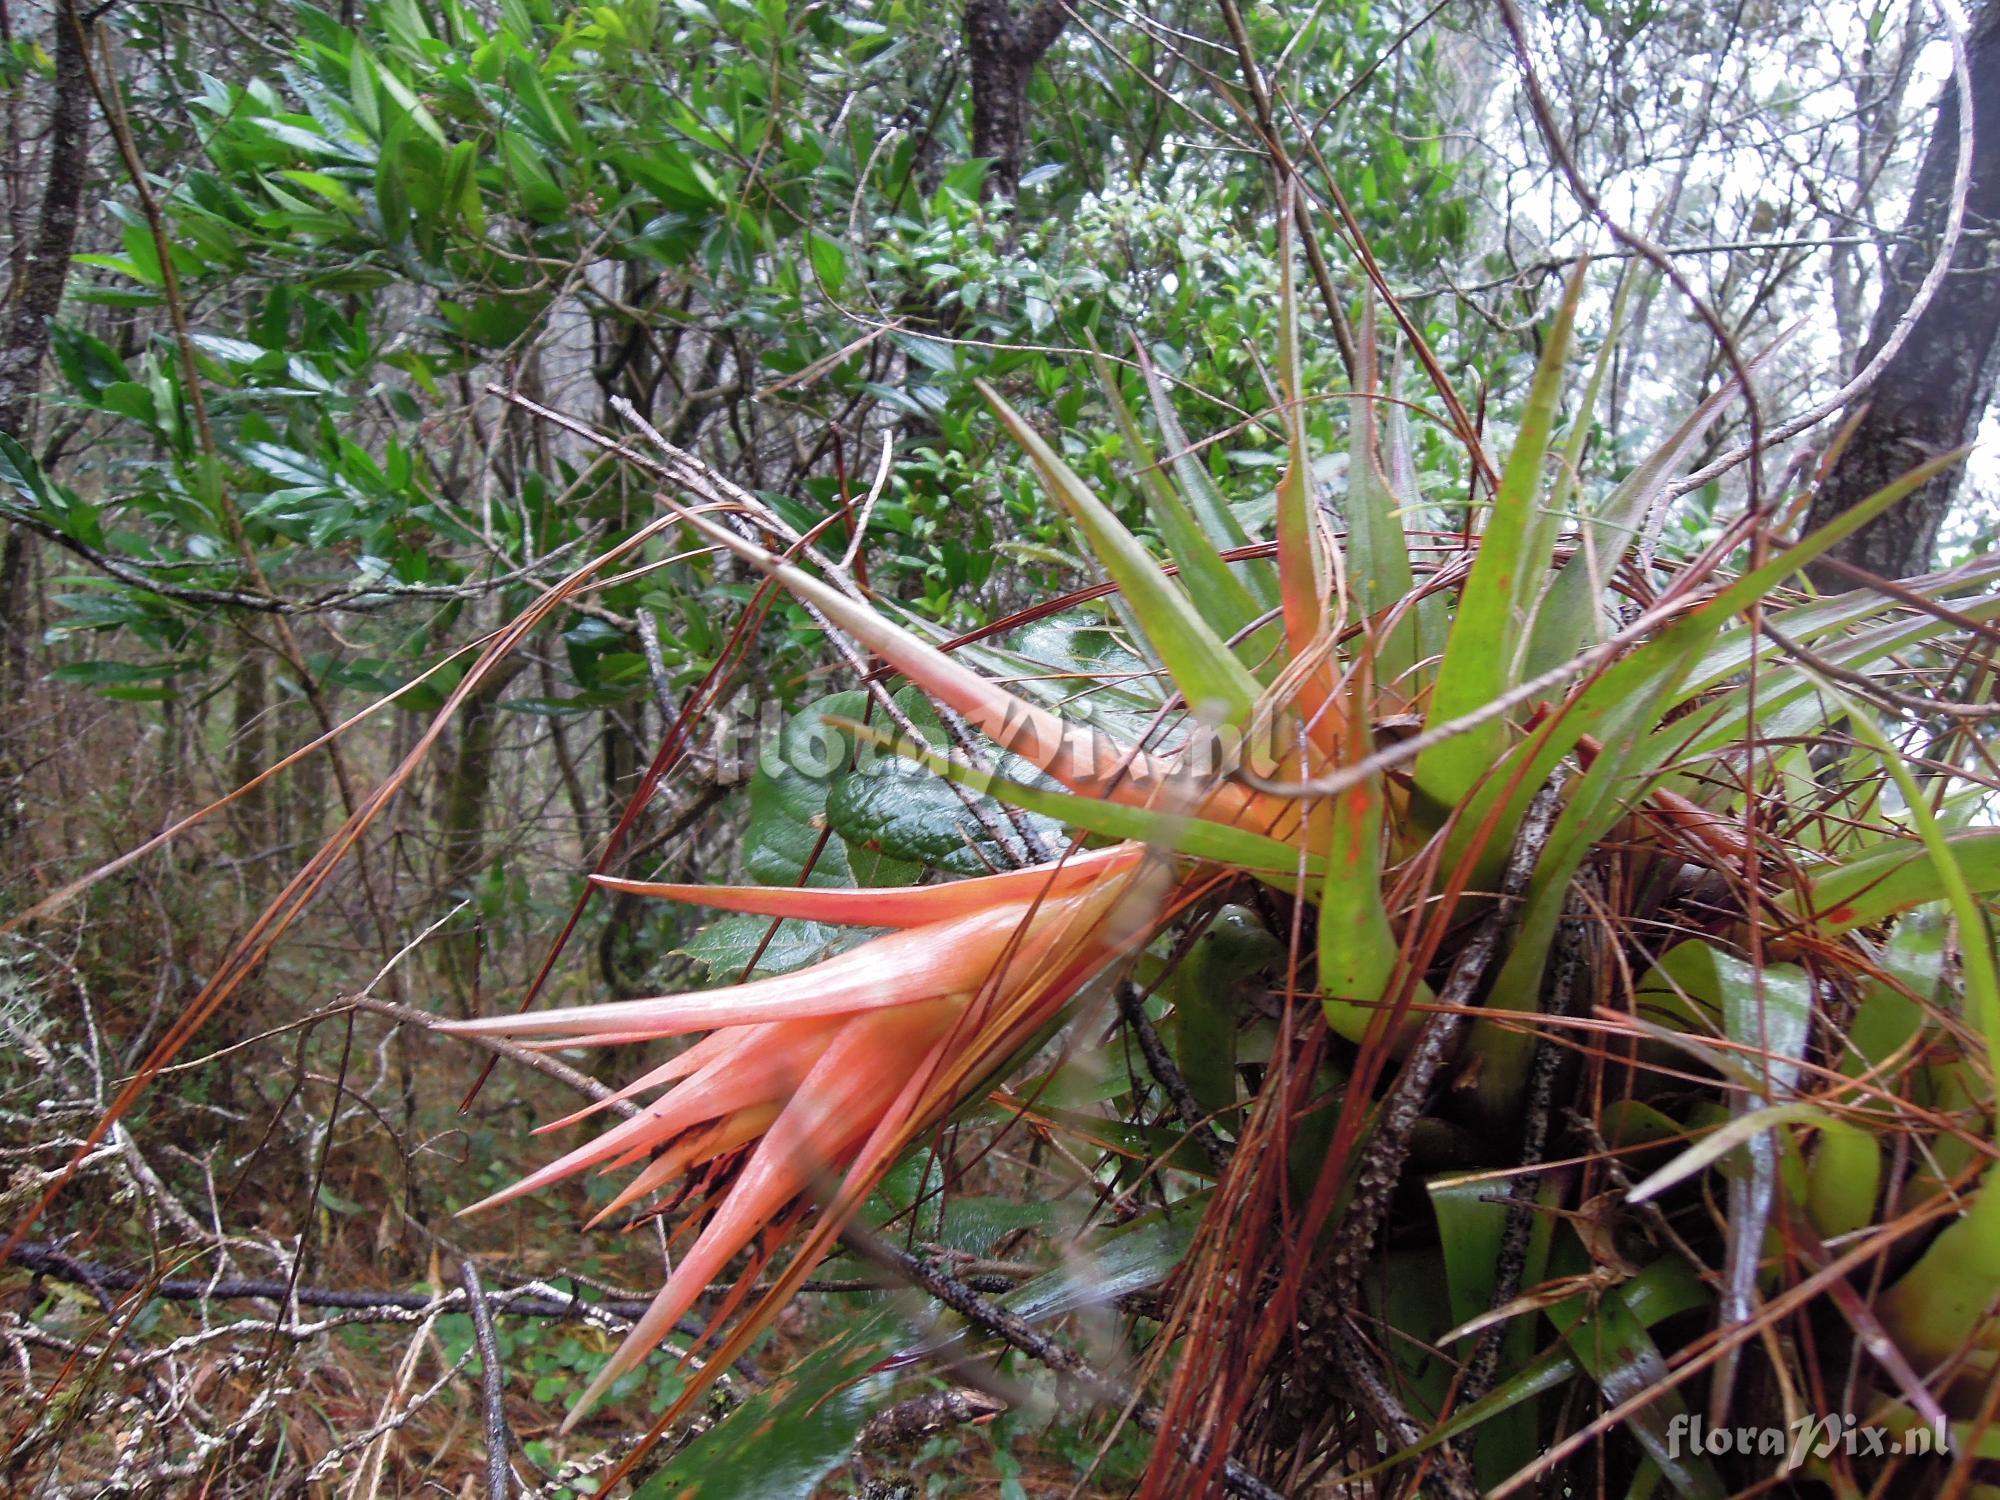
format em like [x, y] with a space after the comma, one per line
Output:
[859, 527]
[1388, 1148]
[1631, 239]
[493, 1386]
[656, 665]
[908, 1423]
[1876, 691]
[1132, 1007]
[535, 1299]
[541, 1062]
[1865, 378]
[142, 573]
[1267, 126]
[1013, 1329]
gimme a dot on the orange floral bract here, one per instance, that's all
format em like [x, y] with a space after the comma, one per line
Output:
[800, 1072]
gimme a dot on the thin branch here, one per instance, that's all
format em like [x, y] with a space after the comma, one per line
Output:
[493, 1386]
[1878, 692]
[1013, 1329]
[1388, 1149]
[138, 572]
[1267, 126]
[1631, 239]
[51, 1261]
[1865, 378]
[1132, 1007]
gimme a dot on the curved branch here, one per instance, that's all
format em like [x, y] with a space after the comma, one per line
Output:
[1865, 378]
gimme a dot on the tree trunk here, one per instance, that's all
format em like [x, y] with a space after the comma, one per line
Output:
[1931, 396]
[33, 297]
[463, 836]
[1002, 50]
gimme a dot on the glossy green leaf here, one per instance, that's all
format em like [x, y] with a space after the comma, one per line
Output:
[1621, 703]
[1913, 963]
[1218, 522]
[1359, 954]
[1569, 613]
[795, 776]
[1212, 680]
[1742, 1130]
[1378, 553]
[786, 1437]
[888, 811]
[1662, 1290]
[731, 944]
[1306, 570]
[1215, 588]
[1843, 1180]
[1197, 837]
[1951, 1291]
[1131, 1258]
[1481, 658]
[1610, 1343]
[1209, 989]
[1897, 876]
[1472, 1220]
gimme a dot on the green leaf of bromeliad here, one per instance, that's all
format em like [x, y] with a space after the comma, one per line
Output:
[1216, 685]
[1199, 838]
[1221, 595]
[1482, 659]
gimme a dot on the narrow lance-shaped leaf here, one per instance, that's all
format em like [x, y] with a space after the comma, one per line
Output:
[1664, 1289]
[1472, 1224]
[1206, 989]
[1767, 1011]
[1898, 876]
[1949, 1294]
[1597, 799]
[1358, 951]
[1611, 1343]
[1544, 515]
[1844, 1180]
[1569, 612]
[1159, 827]
[1788, 700]
[1577, 443]
[1893, 1008]
[1482, 656]
[1074, 754]
[1216, 588]
[1568, 472]
[787, 1436]
[1744, 1129]
[1308, 568]
[1305, 573]
[1218, 521]
[1614, 707]
[1378, 553]
[887, 906]
[1215, 684]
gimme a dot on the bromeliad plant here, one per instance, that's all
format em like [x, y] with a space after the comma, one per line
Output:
[1635, 993]
[1650, 883]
